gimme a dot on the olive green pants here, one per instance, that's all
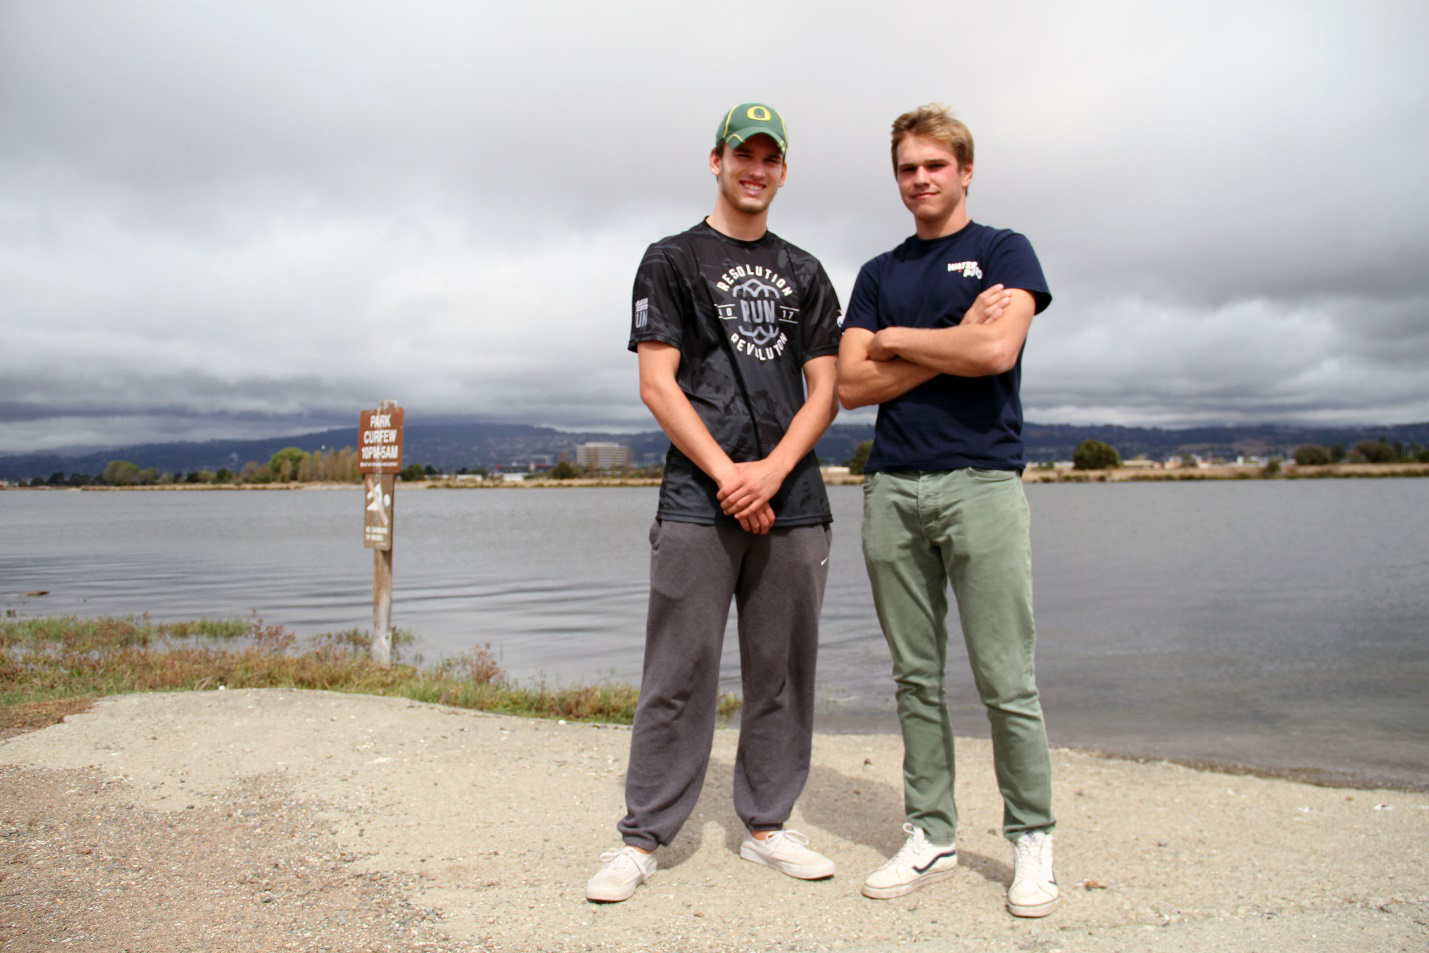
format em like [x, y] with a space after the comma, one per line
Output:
[923, 531]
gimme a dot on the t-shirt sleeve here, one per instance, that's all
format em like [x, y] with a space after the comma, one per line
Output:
[657, 301]
[863, 303]
[821, 324]
[1013, 264]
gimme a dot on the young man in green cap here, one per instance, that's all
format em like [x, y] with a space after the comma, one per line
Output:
[737, 337]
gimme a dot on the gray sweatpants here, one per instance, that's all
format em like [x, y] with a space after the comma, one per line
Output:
[777, 584]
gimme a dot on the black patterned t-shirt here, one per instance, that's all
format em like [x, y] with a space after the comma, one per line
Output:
[745, 317]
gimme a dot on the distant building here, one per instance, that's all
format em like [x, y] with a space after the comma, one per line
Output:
[603, 456]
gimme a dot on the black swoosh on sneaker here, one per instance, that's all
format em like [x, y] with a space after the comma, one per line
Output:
[929, 865]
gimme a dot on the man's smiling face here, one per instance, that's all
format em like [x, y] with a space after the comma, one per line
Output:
[749, 173]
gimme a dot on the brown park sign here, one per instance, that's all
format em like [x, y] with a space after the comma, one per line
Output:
[379, 439]
[377, 512]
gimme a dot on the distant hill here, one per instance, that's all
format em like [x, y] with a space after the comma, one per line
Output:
[451, 446]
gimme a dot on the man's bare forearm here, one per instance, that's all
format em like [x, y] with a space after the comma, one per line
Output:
[970, 349]
[864, 381]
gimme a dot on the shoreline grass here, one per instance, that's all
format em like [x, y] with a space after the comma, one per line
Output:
[50, 665]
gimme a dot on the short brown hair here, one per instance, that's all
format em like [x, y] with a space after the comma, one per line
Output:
[933, 121]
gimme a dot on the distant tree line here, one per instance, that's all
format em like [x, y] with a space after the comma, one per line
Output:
[1096, 455]
[1366, 451]
[294, 465]
[1089, 455]
[289, 465]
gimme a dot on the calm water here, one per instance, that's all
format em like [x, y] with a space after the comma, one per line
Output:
[1283, 625]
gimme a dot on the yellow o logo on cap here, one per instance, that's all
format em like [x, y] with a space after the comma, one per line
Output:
[758, 114]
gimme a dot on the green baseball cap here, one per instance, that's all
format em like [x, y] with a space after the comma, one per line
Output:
[752, 119]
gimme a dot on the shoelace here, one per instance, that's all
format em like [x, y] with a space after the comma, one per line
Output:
[916, 843]
[795, 836]
[1031, 853]
[627, 853]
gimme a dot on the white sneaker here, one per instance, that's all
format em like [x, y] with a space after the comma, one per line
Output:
[916, 863]
[1034, 890]
[625, 869]
[787, 852]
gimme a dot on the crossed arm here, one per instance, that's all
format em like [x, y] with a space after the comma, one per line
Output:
[876, 367]
[745, 489]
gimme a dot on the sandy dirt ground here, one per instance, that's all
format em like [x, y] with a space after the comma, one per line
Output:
[273, 820]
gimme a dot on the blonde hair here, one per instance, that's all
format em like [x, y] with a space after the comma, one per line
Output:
[933, 121]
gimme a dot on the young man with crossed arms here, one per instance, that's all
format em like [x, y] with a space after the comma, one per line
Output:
[934, 336]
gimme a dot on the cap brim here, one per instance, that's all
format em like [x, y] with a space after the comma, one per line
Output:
[744, 135]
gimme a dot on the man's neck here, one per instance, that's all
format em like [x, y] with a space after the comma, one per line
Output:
[738, 225]
[955, 222]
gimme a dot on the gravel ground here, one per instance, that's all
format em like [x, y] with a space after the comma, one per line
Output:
[272, 820]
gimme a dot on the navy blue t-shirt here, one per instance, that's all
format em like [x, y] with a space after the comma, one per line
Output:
[948, 422]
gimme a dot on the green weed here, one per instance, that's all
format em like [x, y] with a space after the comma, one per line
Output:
[55, 657]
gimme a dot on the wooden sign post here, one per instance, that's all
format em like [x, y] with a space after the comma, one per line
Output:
[379, 435]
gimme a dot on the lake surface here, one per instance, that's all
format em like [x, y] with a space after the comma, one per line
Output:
[1282, 625]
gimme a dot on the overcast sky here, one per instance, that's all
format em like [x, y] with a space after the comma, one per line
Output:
[254, 218]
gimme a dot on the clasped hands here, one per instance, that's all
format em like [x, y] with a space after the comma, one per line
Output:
[746, 493]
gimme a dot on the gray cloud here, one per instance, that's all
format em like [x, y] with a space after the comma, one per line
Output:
[233, 219]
